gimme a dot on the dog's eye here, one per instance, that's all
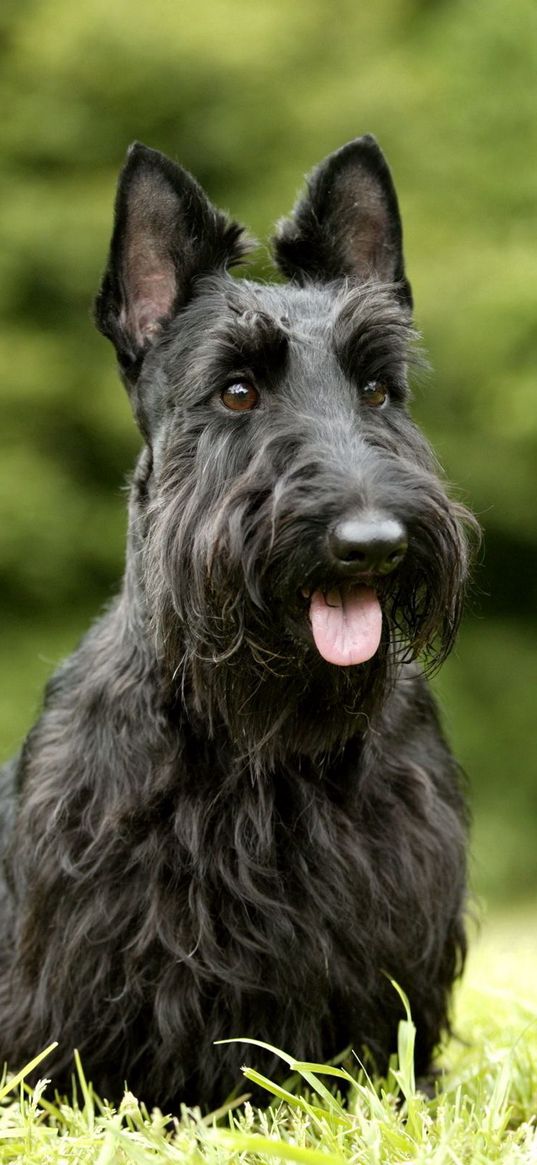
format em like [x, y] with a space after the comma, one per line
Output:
[375, 394]
[240, 397]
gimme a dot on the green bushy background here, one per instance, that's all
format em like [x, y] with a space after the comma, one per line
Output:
[249, 94]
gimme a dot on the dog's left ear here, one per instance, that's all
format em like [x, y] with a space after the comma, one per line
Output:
[166, 232]
[347, 223]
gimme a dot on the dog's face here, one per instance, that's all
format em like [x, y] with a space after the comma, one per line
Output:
[289, 517]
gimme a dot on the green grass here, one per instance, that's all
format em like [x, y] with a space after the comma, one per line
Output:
[483, 1113]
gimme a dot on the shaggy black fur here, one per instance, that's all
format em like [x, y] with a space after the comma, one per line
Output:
[211, 831]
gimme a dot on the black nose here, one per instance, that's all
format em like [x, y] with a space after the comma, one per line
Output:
[374, 545]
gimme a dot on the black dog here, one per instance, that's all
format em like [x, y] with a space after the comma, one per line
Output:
[237, 815]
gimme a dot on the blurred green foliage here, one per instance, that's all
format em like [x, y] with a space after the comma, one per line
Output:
[249, 95]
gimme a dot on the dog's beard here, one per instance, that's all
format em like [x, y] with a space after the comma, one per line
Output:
[278, 697]
[239, 603]
[260, 674]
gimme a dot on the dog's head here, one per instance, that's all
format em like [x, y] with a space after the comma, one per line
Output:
[297, 542]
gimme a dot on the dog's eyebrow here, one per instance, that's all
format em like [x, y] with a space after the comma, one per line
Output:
[255, 339]
[372, 336]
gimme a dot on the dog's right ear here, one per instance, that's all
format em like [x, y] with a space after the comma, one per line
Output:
[166, 232]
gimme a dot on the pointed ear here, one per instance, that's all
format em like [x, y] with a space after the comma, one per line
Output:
[166, 232]
[347, 223]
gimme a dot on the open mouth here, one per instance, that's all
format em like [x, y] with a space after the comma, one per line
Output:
[346, 622]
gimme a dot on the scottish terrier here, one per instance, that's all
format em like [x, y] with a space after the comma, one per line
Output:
[237, 815]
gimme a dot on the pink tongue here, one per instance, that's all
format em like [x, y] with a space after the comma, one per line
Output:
[346, 624]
